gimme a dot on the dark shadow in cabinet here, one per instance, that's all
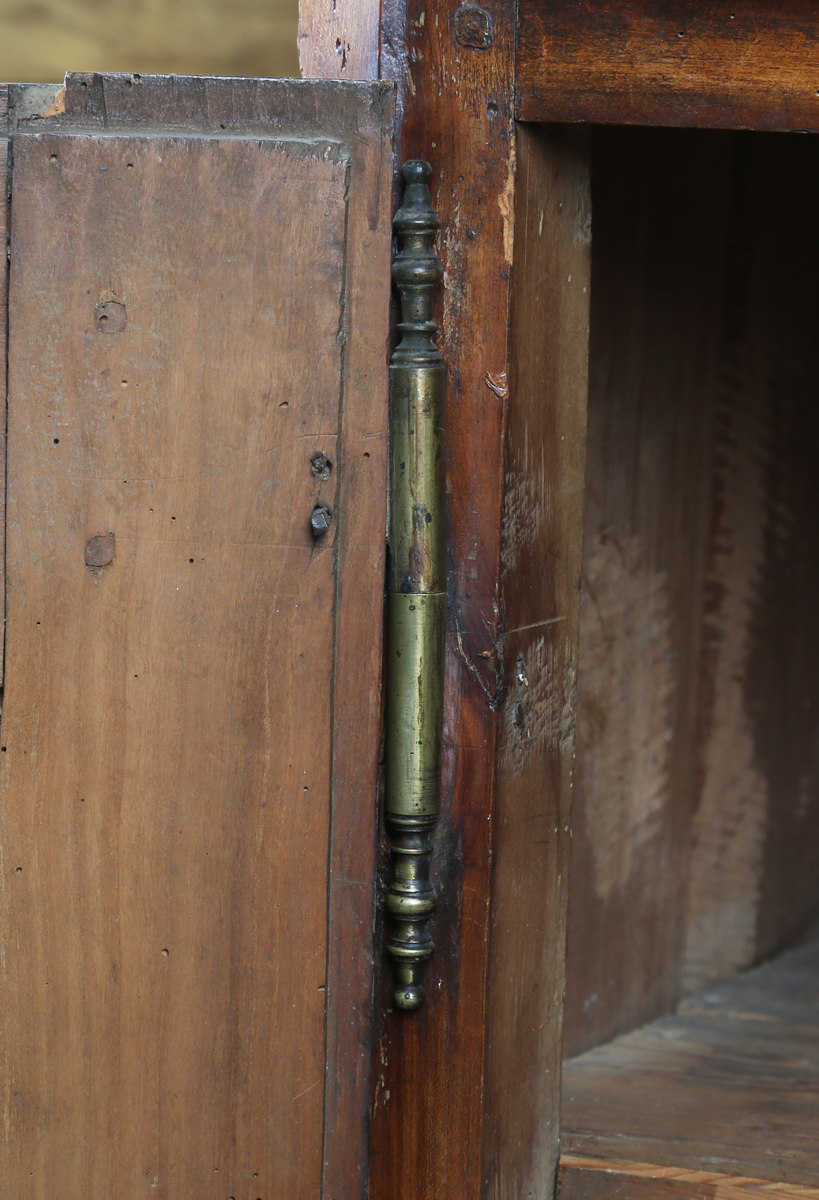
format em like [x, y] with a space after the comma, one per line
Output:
[696, 812]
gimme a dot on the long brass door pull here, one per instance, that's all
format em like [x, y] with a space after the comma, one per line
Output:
[416, 599]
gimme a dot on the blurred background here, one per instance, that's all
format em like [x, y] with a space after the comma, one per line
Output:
[42, 39]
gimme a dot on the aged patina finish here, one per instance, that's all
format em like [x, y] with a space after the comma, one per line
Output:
[416, 588]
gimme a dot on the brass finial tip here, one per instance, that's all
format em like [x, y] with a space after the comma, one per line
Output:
[409, 997]
[416, 171]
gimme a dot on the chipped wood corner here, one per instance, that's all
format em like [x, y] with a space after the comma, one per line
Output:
[35, 102]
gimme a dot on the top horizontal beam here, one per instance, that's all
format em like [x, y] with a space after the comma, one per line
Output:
[742, 65]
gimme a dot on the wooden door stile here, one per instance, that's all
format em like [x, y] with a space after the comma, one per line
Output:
[455, 72]
[542, 553]
[193, 711]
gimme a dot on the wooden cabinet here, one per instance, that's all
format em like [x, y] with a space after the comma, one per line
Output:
[197, 1000]
[629, 255]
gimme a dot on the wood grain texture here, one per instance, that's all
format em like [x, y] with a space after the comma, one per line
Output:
[660, 203]
[339, 39]
[456, 102]
[542, 551]
[591, 1179]
[215, 721]
[754, 884]
[669, 62]
[729, 1085]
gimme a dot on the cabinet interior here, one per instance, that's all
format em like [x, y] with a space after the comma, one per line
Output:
[695, 849]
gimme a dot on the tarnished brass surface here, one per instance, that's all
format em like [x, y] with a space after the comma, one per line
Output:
[416, 603]
[417, 475]
[414, 709]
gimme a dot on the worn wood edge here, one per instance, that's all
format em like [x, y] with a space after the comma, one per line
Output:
[5, 233]
[698, 1185]
[663, 108]
[544, 493]
[339, 39]
[361, 541]
[226, 107]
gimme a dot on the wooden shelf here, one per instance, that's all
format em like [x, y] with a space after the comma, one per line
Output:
[719, 1101]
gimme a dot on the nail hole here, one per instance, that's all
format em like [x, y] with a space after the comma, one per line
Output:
[321, 465]
[53, 158]
[491, 109]
[173, 518]
[165, 953]
[19, 870]
[56, 441]
[129, 166]
[190, 560]
[3, 748]
[83, 85]
[124, 383]
[284, 403]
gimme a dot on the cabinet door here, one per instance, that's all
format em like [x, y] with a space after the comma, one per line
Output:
[198, 301]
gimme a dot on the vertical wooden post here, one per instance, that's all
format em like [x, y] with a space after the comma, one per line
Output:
[542, 552]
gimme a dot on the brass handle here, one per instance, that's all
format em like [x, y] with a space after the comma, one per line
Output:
[416, 600]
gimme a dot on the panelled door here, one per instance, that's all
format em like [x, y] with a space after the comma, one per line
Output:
[198, 303]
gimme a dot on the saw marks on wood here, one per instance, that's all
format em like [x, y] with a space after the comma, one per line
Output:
[730, 1085]
[654, 329]
[754, 879]
[627, 649]
[696, 814]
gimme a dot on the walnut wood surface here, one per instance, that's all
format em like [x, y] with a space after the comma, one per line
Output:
[729, 1085]
[750, 65]
[542, 550]
[190, 733]
[456, 102]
